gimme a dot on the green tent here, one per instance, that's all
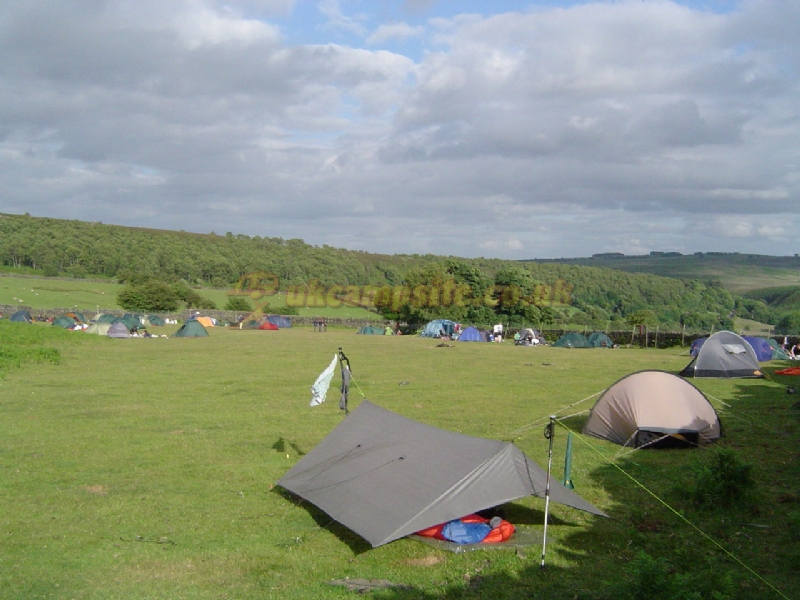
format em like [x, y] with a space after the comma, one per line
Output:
[572, 340]
[251, 324]
[778, 353]
[191, 328]
[600, 340]
[105, 318]
[130, 321]
[370, 330]
[65, 322]
[98, 328]
[21, 316]
[155, 320]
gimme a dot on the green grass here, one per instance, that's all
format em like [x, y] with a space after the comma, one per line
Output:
[145, 468]
[44, 293]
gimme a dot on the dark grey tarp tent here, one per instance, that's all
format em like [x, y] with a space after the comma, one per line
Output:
[655, 409]
[724, 354]
[385, 476]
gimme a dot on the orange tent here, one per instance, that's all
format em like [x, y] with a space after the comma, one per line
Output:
[205, 321]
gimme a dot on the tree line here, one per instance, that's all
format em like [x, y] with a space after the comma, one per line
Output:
[408, 287]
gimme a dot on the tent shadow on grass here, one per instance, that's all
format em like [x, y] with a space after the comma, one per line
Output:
[356, 543]
[280, 446]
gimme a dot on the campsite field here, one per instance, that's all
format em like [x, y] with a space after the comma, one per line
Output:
[145, 468]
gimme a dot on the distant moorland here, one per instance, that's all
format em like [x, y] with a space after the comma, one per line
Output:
[700, 292]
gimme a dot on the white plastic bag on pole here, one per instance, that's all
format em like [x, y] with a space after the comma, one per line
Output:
[323, 382]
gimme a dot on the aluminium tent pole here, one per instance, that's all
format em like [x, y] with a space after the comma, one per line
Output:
[549, 432]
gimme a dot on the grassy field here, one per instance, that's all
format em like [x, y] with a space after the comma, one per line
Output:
[145, 469]
[43, 293]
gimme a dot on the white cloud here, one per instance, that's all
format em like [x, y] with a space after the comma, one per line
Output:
[394, 31]
[532, 133]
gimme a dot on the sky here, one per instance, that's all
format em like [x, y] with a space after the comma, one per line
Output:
[504, 128]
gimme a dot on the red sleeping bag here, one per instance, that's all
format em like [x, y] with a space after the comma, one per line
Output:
[499, 533]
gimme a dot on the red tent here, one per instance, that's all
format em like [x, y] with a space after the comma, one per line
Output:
[268, 326]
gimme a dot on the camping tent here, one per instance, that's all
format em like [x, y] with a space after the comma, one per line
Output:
[653, 408]
[696, 345]
[155, 320]
[724, 354]
[434, 328]
[118, 329]
[99, 328]
[471, 334]
[385, 476]
[370, 330]
[778, 353]
[267, 326]
[104, 318]
[191, 328]
[761, 347]
[205, 321]
[251, 324]
[572, 340]
[281, 321]
[65, 322]
[600, 340]
[129, 320]
[21, 316]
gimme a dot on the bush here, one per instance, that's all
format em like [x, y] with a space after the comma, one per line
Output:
[724, 482]
[238, 303]
[151, 296]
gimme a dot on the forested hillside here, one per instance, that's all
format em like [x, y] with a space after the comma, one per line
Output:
[415, 287]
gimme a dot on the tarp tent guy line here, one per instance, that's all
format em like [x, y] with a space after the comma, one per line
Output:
[727, 552]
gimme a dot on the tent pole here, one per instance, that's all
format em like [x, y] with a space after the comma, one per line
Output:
[549, 432]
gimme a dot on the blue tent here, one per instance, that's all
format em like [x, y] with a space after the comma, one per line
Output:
[696, 345]
[434, 328]
[281, 321]
[761, 346]
[470, 334]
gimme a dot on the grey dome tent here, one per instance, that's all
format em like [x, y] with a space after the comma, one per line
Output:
[653, 409]
[724, 354]
[385, 476]
[118, 330]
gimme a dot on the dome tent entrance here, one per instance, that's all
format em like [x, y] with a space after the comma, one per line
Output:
[191, 328]
[653, 409]
[724, 354]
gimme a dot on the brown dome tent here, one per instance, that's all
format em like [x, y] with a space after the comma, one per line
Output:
[653, 409]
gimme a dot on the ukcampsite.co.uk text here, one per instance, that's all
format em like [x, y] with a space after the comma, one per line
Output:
[445, 293]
